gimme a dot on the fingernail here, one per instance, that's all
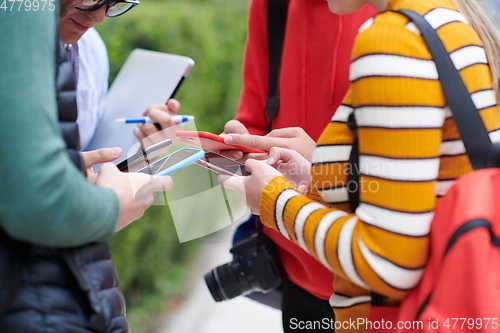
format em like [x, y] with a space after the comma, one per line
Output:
[270, 160]
[117, 152]
[237, 155]
[228, 139]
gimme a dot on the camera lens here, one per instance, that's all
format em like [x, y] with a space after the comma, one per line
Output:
[227, 281]
[254, 268]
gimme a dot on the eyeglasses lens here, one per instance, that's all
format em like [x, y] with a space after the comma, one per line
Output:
[118, 8]
[90, 4]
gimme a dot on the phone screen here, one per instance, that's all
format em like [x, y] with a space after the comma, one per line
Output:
[224, 165]
[169, 161]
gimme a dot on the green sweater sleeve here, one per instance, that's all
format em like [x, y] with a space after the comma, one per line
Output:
[44, 199]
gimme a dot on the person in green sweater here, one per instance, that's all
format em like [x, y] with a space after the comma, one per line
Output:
[46, 203]
[36, 172]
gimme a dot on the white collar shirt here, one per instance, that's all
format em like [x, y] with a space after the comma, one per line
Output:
[92, 85]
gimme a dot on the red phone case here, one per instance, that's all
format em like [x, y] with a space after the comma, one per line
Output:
[211, 142]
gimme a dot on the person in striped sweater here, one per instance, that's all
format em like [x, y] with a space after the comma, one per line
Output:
[410, 153]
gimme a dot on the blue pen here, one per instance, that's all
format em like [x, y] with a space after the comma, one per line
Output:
[178, 119]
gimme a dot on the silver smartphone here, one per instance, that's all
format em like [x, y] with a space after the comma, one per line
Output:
[144, 156]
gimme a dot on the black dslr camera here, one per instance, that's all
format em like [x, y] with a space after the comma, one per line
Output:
[255, 267]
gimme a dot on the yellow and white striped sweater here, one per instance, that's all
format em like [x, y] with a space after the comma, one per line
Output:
[410, 154]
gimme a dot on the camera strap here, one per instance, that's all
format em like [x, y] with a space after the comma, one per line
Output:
[260, 230]
[276, 23]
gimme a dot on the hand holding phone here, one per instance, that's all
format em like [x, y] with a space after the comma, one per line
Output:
[211, 142]
[173, 162]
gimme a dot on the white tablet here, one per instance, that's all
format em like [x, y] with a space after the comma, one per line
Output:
[146, 78]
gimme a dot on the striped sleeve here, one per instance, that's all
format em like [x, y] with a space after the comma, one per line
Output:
[404, 134]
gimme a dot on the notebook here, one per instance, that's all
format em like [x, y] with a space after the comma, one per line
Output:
[146, 78]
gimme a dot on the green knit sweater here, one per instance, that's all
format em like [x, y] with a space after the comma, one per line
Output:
[44, 199]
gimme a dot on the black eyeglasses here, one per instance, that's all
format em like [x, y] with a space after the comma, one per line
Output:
[114, 7]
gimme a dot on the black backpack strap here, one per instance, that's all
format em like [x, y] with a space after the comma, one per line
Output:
[472, 131]
[276, 23]
[353, 176]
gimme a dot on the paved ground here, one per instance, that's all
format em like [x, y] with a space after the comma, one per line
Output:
[201, 314]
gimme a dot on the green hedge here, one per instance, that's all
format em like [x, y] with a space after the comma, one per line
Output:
[210, 32]
[151, 262]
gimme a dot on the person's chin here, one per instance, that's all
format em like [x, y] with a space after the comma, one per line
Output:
[69, 33]
[80, 28]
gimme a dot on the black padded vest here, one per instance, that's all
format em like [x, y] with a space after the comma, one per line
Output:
[60, 290]
[66, 106]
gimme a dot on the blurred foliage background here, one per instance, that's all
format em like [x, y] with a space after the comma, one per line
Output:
[151, 263]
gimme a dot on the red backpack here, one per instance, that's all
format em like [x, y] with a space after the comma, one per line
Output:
[460, 287]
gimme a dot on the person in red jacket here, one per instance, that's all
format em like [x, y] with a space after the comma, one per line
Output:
[313, 80]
